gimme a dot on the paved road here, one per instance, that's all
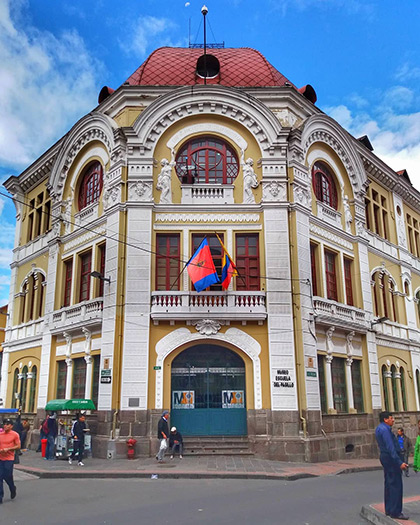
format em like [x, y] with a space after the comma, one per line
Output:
[318, 501]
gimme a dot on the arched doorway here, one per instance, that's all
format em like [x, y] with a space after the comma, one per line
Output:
[208, 392]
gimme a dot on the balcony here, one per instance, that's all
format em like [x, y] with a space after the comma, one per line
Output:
[228, 306]
[207, 194]
[328, 214]
[32, 329]
[83, 314]
[331, 312]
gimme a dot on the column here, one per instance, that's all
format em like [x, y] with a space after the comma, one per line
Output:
[328, 385]
[349, 384]
[29, 378]
[89, 361]
[69, 363]
[388, 376]
[397, 376]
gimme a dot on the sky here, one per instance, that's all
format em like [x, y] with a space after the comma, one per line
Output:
[361, 56]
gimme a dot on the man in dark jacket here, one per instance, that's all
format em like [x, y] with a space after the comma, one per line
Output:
[163, 435]
[52, 434]
[78, 432]
[392, 465]
[404, 443]
[175, 441]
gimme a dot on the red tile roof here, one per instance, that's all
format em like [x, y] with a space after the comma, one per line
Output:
[175, 66]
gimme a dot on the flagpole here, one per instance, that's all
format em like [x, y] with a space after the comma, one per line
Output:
[182, 271]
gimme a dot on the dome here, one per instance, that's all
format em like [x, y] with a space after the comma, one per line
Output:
[232, 67]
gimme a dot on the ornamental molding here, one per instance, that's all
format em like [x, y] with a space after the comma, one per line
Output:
[302, 196]
[207, 326]
[274, 191]
[329, 236]
[111, 196]
[321, 128]
[207, 217]
[140, 191]
[209, 100]
[83, 239]
[390, 343]
[233, 336]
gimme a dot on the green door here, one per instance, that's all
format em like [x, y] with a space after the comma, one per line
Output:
[208, 392]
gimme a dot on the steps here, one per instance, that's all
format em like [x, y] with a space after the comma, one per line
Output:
[217, 446]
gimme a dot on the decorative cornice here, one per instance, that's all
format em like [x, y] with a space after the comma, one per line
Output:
[207, 217]
[336, 239]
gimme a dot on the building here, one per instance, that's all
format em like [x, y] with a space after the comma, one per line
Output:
[317, 334]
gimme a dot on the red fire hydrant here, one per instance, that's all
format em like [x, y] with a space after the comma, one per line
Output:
[131, 444]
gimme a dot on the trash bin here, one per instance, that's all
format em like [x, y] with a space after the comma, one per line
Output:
[43, 447]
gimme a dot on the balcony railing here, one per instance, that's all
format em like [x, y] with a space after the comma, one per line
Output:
[207, 194]
[331, 311]
[30, 329]
[328, 214]
[82, 313]
[221, 305]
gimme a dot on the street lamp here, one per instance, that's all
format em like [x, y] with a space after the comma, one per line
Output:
[98, 275]
[379, 320]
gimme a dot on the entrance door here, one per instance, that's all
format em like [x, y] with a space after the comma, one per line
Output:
[208, 392]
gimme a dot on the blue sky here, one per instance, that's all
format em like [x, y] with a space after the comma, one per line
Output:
[361, 56]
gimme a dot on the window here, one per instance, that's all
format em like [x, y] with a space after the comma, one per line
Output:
[339, 384]
[385, 387]
[376, 211]
[347, 278]
[101, 268]
[167, 261]
[247, 262]
[383, 295]
[68, 277]
[324, 185]
[216, 253]
[207, 160]
[322, 389]
[32, 389]
[395, 389]
[95, 378]
[14, 402]
[330, 274]
[39, 216]
[61, 379]
[356, 381]
[79, 378]
[23, 388]
[91, 185]
[314, 250]
[85, 270]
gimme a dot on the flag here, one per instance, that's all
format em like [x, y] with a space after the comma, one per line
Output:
[201, 268]
[228, 267]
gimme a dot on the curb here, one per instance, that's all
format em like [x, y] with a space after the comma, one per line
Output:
[147, 474]
[374, 516]
[353, 470]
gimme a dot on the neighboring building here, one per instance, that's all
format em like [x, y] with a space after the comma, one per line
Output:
[296, 355]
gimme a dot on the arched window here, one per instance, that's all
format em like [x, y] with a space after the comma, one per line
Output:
[395, 389]
[384, 296]
[324, 185]
[404, 395]
[24, 388]
[91, 185]
[32, 390]
[207, 160]
[15, 386]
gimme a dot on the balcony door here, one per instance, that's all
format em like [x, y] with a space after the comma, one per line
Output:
[208, 392]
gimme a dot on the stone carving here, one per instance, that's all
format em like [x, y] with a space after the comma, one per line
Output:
[207, 326]
[273, 191]
[250, 181]
[56, 229]
[88, 335]
[110, 197]
[361, 229]
[140, 191]
[348, 217]
[302, 196]
[66, 214]
[401, 232]
[349, 342]
[329, 342]
[164, 182]
[208, 217]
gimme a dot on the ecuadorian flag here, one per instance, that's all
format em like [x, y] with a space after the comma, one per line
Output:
[201, 268]
[228, 267]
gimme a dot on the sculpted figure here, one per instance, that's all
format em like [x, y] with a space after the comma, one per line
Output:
[164, 181]
[348, 217]
[250, 181]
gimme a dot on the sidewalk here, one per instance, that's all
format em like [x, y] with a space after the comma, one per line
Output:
[375, 513]
[234, 467]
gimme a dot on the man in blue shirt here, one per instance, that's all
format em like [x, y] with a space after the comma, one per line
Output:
[392, 464]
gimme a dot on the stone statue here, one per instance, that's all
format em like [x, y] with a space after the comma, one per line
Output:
[348, 217]
[66, 215]
[329, 341]
[250, 181]
[164, 181]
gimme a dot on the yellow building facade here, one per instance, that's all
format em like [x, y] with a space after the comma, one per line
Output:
[316, 334]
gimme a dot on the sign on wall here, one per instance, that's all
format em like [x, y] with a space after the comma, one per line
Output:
[233, 399]
[182, 399]
[282, 379]
[106, 376]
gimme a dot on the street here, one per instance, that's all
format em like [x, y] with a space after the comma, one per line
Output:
[318, 501]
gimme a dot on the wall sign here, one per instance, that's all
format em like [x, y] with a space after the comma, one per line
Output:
[233, 399]
[282, 379]
[106, 376]
[183, 399]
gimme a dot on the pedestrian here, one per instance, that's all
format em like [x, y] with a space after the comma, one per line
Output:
[404, 443]
[175, 442]
[26, 428]
[78, 434]
[392, 464]
[51, 431]
[163, 434]
[41, 434]
[9, 443]
[416, 461]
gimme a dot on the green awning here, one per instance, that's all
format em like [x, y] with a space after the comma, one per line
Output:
[70, 404]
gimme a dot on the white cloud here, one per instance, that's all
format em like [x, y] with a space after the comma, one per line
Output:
[407, 72]
[349, 6]
[144, 32]
[47, 82]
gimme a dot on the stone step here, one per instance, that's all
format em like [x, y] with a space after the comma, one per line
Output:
[217, 452]
[217, 446]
